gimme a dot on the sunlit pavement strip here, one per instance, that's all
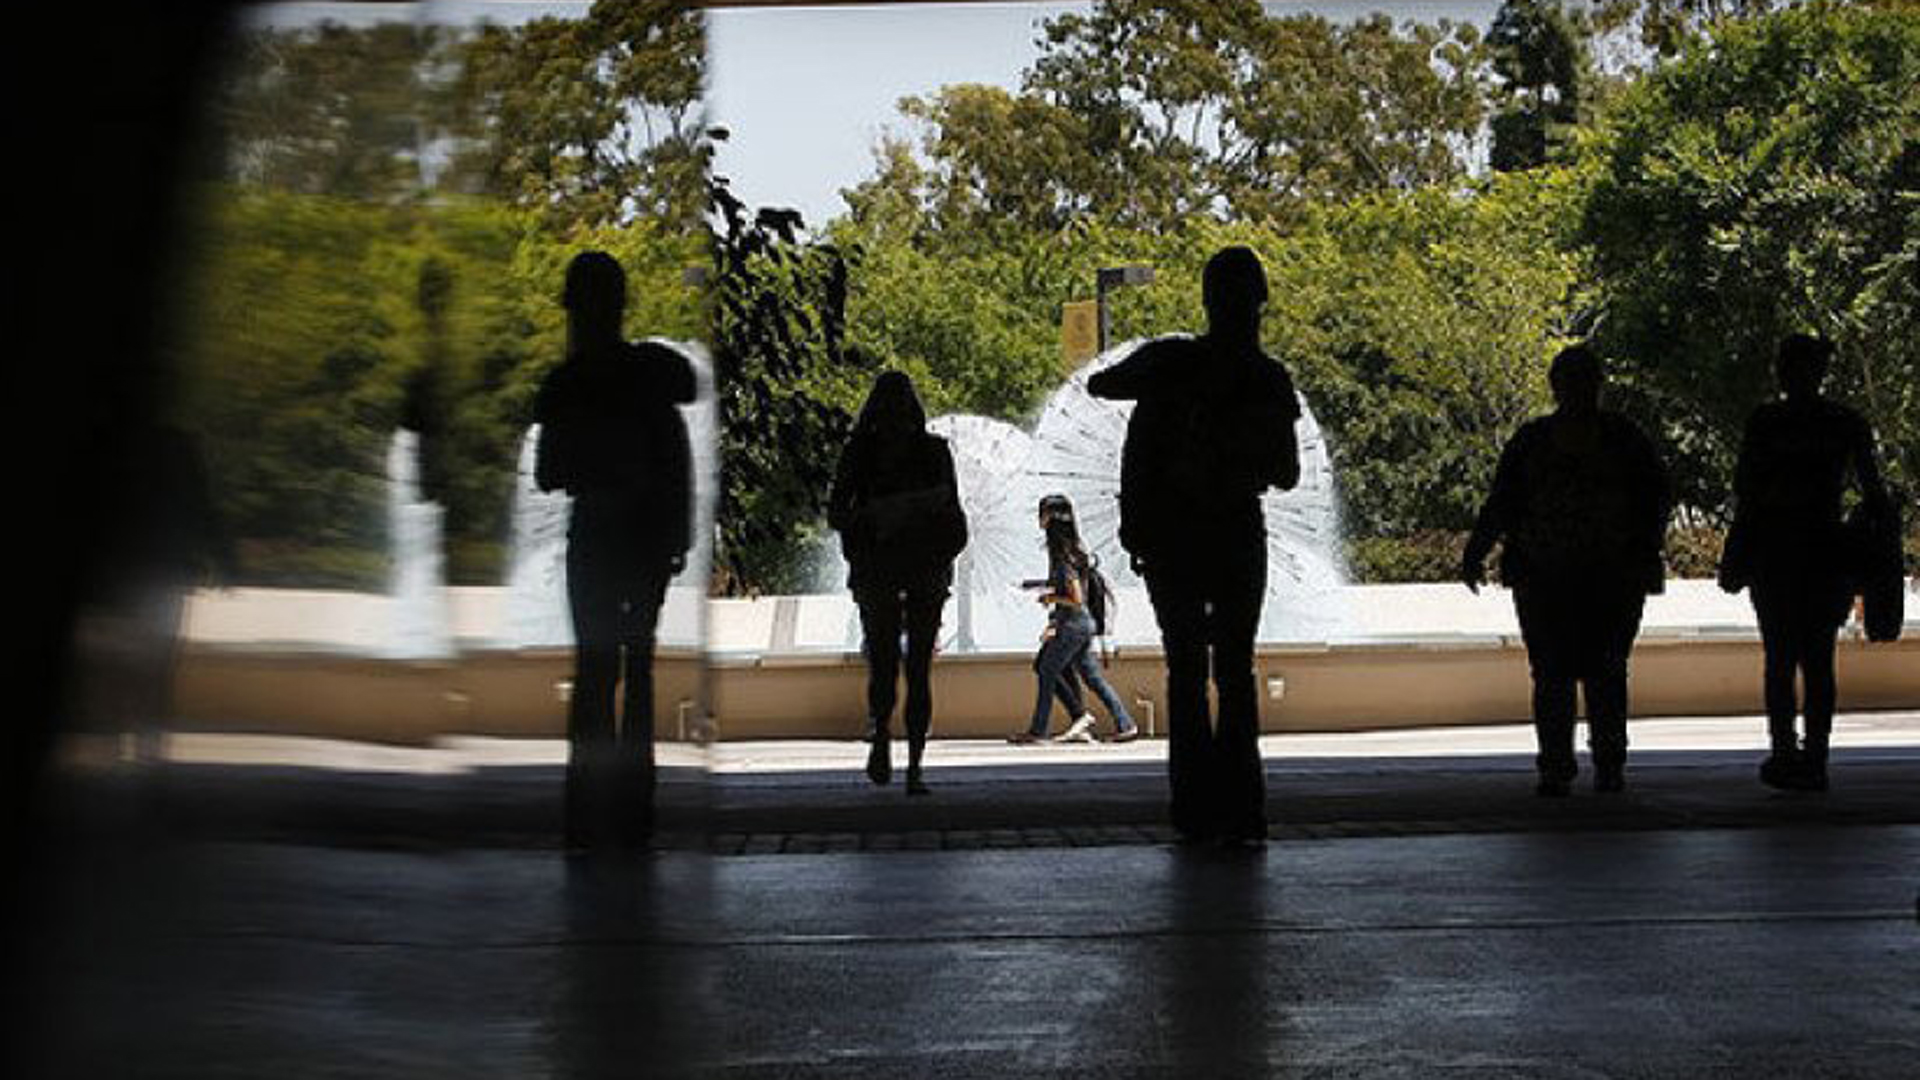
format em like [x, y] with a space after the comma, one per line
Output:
[457, 755]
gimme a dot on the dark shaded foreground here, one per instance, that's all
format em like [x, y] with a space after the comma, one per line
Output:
[1785, 952]
[1042, 804]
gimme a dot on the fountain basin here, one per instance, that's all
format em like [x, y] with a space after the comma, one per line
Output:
[286, 662]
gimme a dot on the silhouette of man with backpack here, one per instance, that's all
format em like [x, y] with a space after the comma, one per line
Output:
[612, 437]
[1212, 429]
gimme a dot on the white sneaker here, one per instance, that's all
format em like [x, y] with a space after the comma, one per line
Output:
[1081, 731]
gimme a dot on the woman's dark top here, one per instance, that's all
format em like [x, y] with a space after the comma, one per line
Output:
[1064, 579]
[896, 506]
[612, 437]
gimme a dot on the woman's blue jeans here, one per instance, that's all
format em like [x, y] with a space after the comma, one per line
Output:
[1065, 654]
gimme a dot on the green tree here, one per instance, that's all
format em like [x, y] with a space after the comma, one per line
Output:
[1668, 26]
[1149, 114]
[295, 364]
[788, 388]
[331, 110]
[1420, 326]
[588, 120]
[1764, 182]
[1542, 54]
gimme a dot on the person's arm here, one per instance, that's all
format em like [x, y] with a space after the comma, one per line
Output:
[956, 533]
[1735, 570]
[1655, 494]
[1496, 514]
[1866, 471]
[551, 469]
[843, 495]
[213, 544]
[1063, 585]
[1131, 377]
[1746, 469]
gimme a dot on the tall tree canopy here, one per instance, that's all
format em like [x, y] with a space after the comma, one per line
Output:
[1149, 113]
[1764, 182]
[588, 120]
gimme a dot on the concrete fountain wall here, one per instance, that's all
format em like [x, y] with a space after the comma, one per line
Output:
[1419, 655]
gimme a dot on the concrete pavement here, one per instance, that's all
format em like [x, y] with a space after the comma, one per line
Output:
[1789, 952]
[768, 797]
[346, 911]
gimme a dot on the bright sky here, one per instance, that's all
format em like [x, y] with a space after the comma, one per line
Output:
[808, 91]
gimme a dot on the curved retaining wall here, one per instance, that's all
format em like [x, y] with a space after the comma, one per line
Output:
[1461, 680]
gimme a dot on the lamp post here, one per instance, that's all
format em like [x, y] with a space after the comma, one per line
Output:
[1109, 278]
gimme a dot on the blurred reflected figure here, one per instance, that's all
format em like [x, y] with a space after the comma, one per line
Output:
[1212, 430]
[612, 438]
[161, 536]
[896, 505]
[1580, 501]
[1789, 544]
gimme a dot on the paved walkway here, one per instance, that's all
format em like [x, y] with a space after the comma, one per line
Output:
[1754, 953]
[334, 910]
[794, 797]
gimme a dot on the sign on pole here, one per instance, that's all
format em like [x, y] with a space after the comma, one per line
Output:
[1079, 332]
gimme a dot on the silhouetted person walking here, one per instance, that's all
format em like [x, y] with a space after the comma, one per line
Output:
[1212, 429]
[1580, 501]
[610, 435]
[896, 506]
[1788, 543]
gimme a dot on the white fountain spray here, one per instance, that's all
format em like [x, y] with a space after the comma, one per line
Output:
[1074, 450]
[416, 599]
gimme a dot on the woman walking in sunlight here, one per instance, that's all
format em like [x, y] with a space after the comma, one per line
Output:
[1076, 594]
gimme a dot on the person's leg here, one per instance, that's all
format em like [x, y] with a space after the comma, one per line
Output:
[1056, 654]
[639, 622]
[1780, 642]
[594, 604]
[880, 618]
[1088, 667]
[1544, 619]
[1180, 608]
[1080, 725]
[1238, 591]
[922, 615]
[1067, 690]
[880, 642]
[1606, 684]
[1819, 689]
[1073, 698]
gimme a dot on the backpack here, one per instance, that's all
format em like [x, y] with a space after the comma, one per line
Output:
[1099, 597]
